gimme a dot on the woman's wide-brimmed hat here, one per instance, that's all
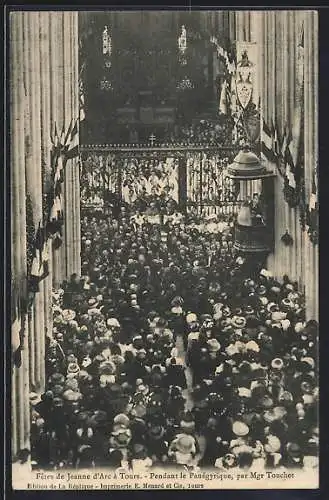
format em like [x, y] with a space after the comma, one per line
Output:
[107, 368]
[121, 419]
[93, 303]
[277, 364]
[73, 368]
[70, 395]
[238, 322]
[68, 314]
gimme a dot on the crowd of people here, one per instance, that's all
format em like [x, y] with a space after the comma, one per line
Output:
[205, 131]
[168, 351]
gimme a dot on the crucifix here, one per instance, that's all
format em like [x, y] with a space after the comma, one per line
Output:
[152, 139]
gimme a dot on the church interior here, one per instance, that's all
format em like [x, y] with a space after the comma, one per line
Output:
[164, 239]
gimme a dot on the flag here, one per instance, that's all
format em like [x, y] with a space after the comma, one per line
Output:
[16, 327]
[40, 262]
[296, 135]
[313, 198]
[55, 218]
[18, 317]
[284, 142]
[72, 149]
[223, 101]
[275, 139]
[57, 139]
[57, 168]
[289, 162]
[267, 143]
[82, 114]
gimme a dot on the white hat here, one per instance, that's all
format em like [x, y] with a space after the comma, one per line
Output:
[277, 363]
[113, 322]
[299, 327]
[191, 318]
[265, 273]
[252, 346]
[278, 316]
[68, 314]
[308, 399]
[240, 429]
[271, 305]
[244, 392]
[231, 350]
[214, 345]
[273, 444]
[218, 315]
[35, 398]
[309, 361]
[285, 323]
[219, 369]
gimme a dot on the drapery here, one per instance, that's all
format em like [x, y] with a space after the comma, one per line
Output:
[43, 77]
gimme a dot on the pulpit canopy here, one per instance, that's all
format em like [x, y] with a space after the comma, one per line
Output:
[247, 166]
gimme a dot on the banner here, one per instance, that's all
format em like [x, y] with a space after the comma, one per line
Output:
[246, 79]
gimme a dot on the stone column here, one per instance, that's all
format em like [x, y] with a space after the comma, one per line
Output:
[43, 91]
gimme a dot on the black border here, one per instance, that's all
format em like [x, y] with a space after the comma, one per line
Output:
[324, 196]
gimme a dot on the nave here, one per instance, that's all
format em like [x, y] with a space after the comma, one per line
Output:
[164, 243]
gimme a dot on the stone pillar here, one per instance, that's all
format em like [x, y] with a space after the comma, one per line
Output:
[279, 53]
[43, 91]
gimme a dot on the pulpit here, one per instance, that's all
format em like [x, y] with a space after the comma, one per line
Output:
[254, 227]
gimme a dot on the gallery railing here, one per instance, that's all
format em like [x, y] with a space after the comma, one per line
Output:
[194, 176]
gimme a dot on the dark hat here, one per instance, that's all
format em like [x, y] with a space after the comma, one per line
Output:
[56, 378]
[187, 423]
[58, 402]
[293, 449]
[248, 310]
[139, 452]
[261, 290]
[266, 402]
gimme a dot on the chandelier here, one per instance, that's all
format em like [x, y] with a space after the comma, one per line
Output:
[182, 46]
[107, 42]
[106, 84]
[185, 84]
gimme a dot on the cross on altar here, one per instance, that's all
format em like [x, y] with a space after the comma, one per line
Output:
[152, 139]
